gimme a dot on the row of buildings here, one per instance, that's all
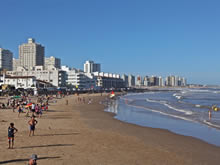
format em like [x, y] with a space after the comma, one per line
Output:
[33, 70]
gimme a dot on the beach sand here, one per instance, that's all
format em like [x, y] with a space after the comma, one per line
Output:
[84, 134]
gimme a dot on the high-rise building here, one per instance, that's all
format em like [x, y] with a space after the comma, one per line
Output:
[50, 62]
[16, 64]
[31, 54]
[125, 79]
[90, 67]
[131, 80]
[5, 59]
[138, 80]
[160, 80]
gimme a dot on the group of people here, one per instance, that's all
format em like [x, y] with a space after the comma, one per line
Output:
[36, 109]
[12, 131]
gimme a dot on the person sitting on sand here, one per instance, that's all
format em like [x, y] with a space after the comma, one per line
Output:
[33, 160]
[11, 135]
[32, 124]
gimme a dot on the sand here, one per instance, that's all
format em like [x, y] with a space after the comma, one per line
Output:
[82, 134]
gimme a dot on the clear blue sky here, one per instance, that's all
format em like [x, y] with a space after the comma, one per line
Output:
[146, 37]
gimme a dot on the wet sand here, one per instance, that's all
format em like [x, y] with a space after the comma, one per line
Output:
[84, 134]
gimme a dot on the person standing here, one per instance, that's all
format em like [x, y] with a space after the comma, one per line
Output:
[32, 123]
[11, 135]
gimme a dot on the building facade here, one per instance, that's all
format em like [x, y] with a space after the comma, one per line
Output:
[90, 67]
[78, 79]
[55, 77]
[131, 80]
[125, 79]
[52, 62]
[31, 54]
[6, 59]
[108, 80]
[16, 64]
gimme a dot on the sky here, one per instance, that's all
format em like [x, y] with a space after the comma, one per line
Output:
[140, 37]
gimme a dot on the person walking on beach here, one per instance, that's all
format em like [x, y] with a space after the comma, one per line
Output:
[11, 135]
[32, 124]
[67, 101]
[19, 110]
[33, 108]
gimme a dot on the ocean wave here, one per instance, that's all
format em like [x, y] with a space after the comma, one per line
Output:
[156, 101]
[169, 106]
[163, 113]
[179, 110]
[211, 124]
[177, 96]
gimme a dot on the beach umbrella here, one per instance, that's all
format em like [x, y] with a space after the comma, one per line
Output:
[28, 105]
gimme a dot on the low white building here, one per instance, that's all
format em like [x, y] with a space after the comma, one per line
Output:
[54, 76]
[108, 80]
[20, 81]
[78, 79]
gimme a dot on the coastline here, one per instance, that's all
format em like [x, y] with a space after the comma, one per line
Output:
[85, 134]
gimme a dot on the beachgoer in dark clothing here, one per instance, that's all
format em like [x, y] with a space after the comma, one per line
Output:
[11, 135]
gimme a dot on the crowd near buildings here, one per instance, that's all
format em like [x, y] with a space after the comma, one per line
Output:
[33, 70]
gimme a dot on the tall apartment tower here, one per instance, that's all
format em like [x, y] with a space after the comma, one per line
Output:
[131, 80]
[90, 67]
[52, 62]
[5, 59]
[31, 54]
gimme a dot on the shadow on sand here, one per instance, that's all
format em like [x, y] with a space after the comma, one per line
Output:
[59, 134]
[26, 160]
[49, 145]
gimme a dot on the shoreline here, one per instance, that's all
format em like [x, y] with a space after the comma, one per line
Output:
[85, 134]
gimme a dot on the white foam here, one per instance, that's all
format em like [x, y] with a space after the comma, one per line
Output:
[169, 106]
[179, 110]
[209, 123]
[156, 101]
[163, 113]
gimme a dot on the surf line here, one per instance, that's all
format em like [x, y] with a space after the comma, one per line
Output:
[163, 113]
[169, 106]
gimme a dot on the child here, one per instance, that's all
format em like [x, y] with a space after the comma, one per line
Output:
[32, 124]
[11, 135]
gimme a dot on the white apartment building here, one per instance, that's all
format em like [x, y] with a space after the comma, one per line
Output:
[21, 81]
[31, 54]
[90, 67]
[125, 79]
[52, 62]
[79, 79]
[54, 76]
[108, 80]
[131, 80]
[5, 59]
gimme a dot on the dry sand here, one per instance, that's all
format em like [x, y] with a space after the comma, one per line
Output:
[81, 134]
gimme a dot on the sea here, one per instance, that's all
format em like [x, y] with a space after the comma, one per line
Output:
[181, 110]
